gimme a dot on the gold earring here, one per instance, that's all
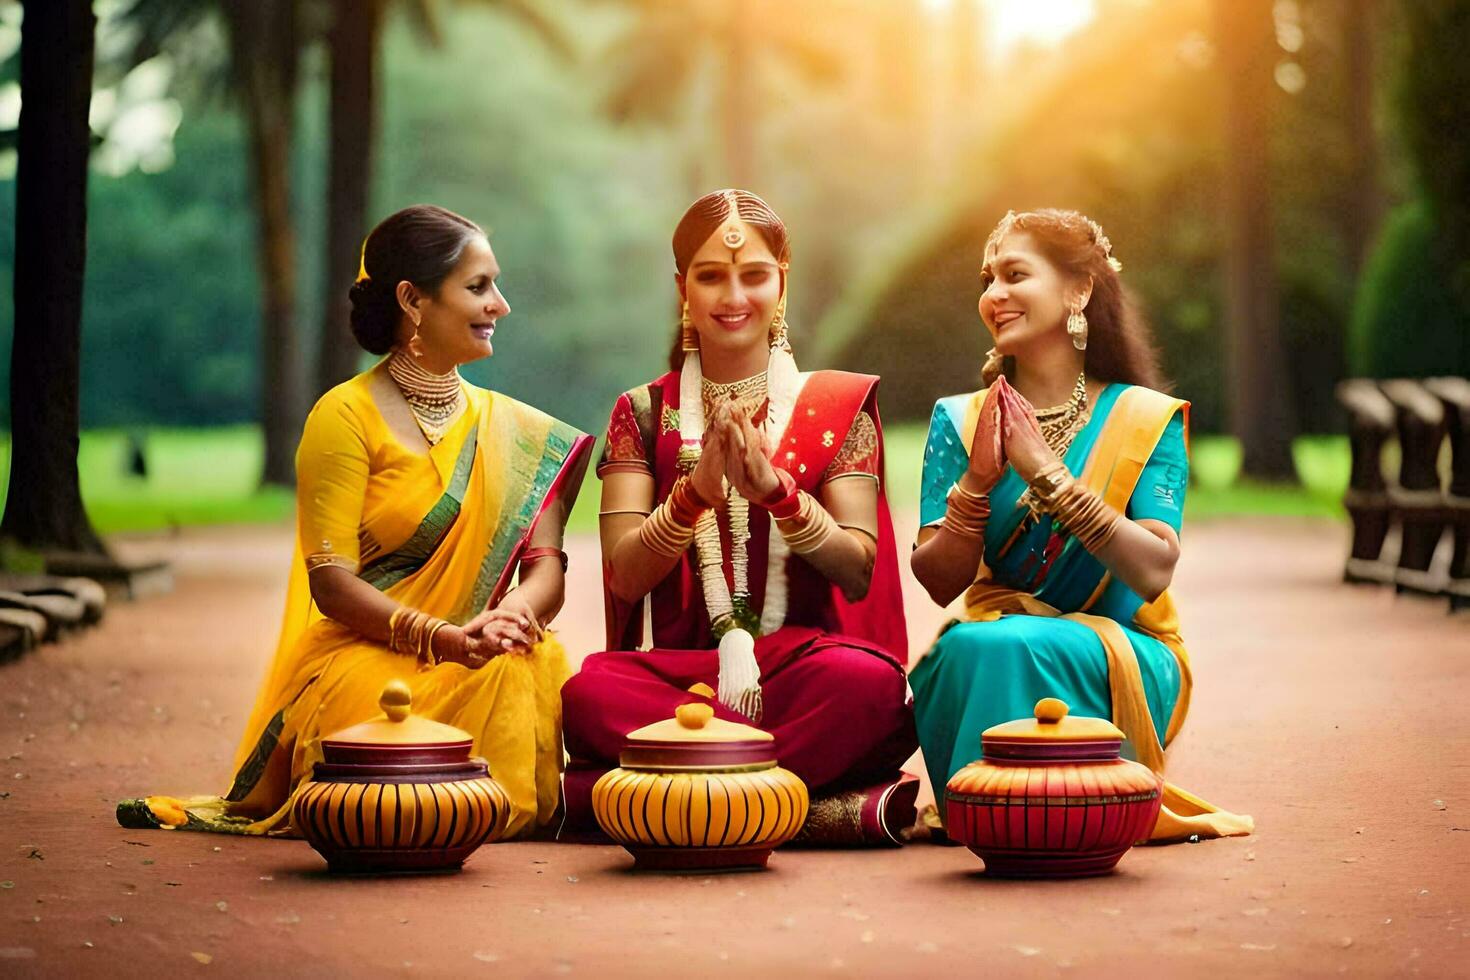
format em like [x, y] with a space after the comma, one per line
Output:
[779, 337]
[690, 342]
[1077, 328]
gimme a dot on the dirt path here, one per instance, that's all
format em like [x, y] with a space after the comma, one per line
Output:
[1336, 716]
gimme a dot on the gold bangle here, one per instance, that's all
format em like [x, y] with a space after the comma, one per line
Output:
[1049, 484]
[430, 658]
[1089, 518]
[395, 624]
[662, 534]
[809, 529]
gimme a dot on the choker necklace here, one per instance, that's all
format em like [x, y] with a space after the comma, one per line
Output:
[750, 393]
[434, 399]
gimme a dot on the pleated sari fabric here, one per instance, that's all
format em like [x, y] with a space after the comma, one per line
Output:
[1046, 619]
[440, 532]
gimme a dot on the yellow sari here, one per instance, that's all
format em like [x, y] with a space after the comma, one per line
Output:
[440, 532]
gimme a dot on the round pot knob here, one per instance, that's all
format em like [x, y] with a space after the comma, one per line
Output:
[1049, 711]
[396, 699]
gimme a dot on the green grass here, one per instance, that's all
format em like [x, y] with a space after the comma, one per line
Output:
[1216, 488]
[195, 476]
[210, 476]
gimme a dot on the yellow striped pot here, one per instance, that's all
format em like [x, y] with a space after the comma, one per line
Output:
[697, 793]
[399, 793]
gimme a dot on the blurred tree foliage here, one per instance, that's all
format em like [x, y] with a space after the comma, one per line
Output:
[1124, 127]
[1412, 314]
[889, 175]
[172, 319]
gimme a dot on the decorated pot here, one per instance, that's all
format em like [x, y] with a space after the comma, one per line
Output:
[1051, 797]
[399, 793]
[698, 793]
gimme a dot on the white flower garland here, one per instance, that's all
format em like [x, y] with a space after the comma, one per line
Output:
[739, 683]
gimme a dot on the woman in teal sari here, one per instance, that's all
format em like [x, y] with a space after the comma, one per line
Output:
[1060, 525]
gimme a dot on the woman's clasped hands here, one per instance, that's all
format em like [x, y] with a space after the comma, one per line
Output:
[511, 627]
[1007, 432]
[734, 451]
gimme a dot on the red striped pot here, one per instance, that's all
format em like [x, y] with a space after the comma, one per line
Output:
[1052, 798]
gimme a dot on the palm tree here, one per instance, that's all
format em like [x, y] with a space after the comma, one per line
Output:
[43, 510]
[354, 41]
[1260, 405]
[714, 54]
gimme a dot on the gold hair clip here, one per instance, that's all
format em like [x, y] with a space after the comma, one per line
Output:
[362, 273]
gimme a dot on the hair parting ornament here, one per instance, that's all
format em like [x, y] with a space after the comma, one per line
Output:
[734, 236]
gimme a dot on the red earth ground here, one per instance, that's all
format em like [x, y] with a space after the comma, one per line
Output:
[1335, 715]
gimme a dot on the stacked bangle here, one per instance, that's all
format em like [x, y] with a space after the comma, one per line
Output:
[809, 529]
[669, 530]
[784, 502]
[1089, 518]
[412, 632]
[967, 512]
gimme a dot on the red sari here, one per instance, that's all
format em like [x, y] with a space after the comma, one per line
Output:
[832, 677]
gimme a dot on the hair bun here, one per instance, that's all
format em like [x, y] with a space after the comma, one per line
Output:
[374, 316]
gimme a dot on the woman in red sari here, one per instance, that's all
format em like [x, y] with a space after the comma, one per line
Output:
[743, 500]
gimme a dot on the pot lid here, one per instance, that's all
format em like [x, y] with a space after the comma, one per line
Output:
[696, 724]
[398, 726]
[1052, 724]
[694, 739]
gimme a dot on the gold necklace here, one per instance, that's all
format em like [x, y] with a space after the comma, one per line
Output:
[434, 399]
[748, 393]
[1059, 427]
[1061, 423]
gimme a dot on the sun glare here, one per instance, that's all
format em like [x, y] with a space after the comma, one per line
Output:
[1037, 21]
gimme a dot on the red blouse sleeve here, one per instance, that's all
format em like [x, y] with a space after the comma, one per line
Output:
[624, 446]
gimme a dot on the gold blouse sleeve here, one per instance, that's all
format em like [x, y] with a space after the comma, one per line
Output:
[858, 455]
[331, 484]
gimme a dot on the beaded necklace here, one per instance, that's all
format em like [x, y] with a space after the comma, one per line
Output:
[434, 399]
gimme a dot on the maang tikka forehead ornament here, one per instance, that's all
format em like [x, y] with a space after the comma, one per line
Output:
[734, 236]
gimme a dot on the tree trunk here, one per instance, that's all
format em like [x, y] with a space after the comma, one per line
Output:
[353, 46]
[264, 51]
[43, 509]
[1364, 205]
[1260, 404]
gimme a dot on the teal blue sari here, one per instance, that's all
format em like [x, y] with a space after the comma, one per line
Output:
[980, 674]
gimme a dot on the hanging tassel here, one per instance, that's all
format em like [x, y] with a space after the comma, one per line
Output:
[740, 675]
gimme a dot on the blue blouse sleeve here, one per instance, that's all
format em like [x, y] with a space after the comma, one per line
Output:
[1159, 495]
[945, 460]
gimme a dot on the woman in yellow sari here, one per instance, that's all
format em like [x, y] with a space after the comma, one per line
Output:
[1061, 525]
[419, 498]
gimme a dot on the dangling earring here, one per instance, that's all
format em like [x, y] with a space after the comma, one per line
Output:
[415, 347]
[1077, 328]
[993, 368]
[690, 336]
[779, 338]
